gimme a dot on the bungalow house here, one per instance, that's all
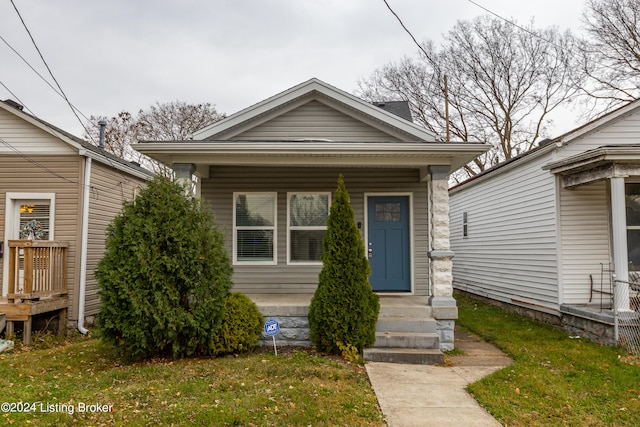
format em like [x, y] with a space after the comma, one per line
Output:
[268, 173]
[551, 231]
[67, 191]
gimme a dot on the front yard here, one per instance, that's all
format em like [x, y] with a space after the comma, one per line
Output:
[297, 388]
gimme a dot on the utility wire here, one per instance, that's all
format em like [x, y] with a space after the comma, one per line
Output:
[39, 75]
[405, 28]
[518, 26]
[50, 72]
[15, 97]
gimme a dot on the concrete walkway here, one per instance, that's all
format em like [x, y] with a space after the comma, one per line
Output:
[425, 395]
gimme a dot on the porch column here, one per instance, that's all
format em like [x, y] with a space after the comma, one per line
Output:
[443, 306]
[184, 172]
[620, 258]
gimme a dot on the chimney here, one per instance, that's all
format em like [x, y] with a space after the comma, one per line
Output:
[103, 125]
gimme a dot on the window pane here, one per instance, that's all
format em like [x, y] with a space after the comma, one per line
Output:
[35, 216]
[255, 210]
[309, 210]
[255, 245]
[387, 212]
[633, 203]
[306, 245]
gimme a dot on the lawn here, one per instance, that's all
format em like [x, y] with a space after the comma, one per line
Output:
[555, 379]
[296, 388]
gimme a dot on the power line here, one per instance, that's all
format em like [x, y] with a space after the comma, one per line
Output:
[405, 28]
[15, 97]
[49, 69]
[518, 26]
[39, 75]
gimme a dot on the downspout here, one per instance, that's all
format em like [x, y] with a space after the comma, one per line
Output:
[84, 244]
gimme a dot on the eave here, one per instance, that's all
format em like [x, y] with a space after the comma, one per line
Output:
[313, 154]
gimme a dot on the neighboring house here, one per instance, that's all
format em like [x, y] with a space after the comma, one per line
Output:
[72, 190]
[550, 230]
[268, 173]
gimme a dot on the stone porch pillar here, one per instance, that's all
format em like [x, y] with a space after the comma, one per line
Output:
[619, 228]
[184, 172]
[443, 306]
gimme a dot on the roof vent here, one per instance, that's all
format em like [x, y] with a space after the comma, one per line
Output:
[544, 142]
[14, 104]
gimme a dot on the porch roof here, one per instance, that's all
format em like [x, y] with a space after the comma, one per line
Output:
[604, 162]
[312, 153]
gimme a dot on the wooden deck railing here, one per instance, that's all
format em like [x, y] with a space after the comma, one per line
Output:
[37, 269]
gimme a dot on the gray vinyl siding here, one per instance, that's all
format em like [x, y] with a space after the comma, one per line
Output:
[110, 188]
[584, 213]
[48, 174]
[510, 253]
[315, 120]
[217, 191]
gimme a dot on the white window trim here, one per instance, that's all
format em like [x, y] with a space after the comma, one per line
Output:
[290, 227]
[411, 235]
[274, 227]
[12, 217]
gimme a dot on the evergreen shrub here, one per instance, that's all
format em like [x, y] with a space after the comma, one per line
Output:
[241, 326]
[344, 309]
[164, 276]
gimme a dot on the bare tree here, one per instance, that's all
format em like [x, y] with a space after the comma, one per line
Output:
[503, 82]
[172, 121]
[611, 54]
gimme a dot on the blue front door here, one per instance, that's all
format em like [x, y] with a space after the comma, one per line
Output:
[388, 243]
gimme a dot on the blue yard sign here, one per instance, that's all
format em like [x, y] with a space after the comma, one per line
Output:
[271, 328]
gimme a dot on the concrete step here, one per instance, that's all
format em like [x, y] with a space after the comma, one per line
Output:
[406, 324]
[407, 340]
[417, 311]
[404, 355]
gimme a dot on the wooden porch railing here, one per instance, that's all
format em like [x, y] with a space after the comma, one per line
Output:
[37, 269]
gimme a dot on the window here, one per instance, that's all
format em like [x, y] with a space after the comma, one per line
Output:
[254, 228]
[465, 224]
[307, 225]
[34, 216]
[632, 197]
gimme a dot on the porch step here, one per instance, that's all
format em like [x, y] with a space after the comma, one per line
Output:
[415, 340]
[406, 324]
[422, 356]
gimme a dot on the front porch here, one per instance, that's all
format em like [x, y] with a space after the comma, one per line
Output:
[37, 284]
[406, 332]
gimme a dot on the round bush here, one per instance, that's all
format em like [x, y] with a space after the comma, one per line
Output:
[241, 326]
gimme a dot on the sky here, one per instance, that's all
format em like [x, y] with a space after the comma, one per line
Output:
[126, 55]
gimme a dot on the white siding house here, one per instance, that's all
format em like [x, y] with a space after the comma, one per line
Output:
[549, 230]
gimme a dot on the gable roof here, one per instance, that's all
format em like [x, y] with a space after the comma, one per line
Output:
[318, 90]
[547, 145]
[83, 147]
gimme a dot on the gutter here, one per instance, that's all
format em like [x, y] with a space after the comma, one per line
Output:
[84, 244]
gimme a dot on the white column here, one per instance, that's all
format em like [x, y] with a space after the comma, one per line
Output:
[184, 172]
[619, 226]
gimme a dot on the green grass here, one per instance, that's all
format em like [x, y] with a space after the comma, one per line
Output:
[296, 388]
[555, 380]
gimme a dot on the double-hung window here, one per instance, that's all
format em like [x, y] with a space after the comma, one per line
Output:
[254, 228]
[306, 226]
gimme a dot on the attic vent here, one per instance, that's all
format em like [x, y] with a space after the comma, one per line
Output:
[14, 104]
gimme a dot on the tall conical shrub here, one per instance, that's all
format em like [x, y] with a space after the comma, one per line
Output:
[344, 309]
[164, 276]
